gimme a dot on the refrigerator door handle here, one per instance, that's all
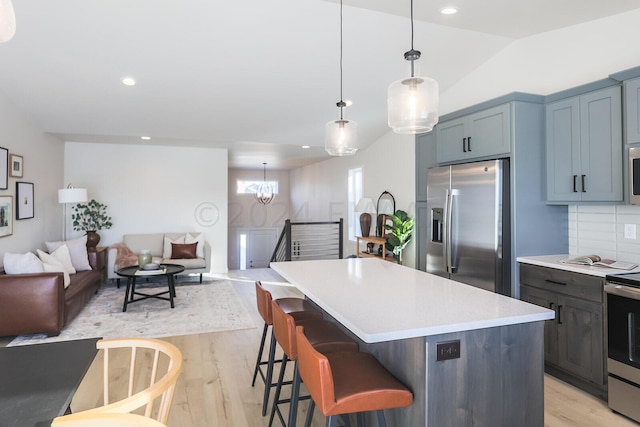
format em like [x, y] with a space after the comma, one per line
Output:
[448, 230]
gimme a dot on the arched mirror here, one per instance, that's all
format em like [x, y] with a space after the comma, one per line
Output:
[386, 206]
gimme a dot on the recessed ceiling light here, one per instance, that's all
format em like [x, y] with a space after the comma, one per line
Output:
[146, 138]
[449, 10]
[306, 146]
[128, 81]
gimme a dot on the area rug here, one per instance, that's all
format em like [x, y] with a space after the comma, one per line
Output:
[212, 306]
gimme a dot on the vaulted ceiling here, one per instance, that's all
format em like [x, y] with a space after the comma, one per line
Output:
[260, 78]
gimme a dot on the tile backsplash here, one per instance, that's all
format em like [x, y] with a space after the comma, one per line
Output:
[599, 230]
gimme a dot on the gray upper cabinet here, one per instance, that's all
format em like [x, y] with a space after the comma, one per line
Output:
[584, 148]
[483, 134]
[632, 111]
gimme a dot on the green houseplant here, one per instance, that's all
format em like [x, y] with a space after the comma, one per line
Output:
[91, 217]
[400, 233]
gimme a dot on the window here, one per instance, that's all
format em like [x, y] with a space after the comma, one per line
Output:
[251, 187]
[354, 194]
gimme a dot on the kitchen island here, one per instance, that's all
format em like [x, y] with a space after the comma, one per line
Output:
[470, 357]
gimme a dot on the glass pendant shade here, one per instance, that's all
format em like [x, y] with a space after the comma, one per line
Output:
[412, 105]
[7, 21]
[340, 137]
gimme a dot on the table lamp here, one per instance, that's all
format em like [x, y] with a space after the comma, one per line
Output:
[365, 206]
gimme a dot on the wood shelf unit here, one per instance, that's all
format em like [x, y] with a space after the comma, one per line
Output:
[376, 241]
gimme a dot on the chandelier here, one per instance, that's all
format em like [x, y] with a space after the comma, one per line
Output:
[412, 103]
[340, 135]
[7, 21]
[265, 194]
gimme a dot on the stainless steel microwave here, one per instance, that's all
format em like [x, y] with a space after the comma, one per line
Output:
[634, 175]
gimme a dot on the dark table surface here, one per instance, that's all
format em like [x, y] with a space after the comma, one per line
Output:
[38, 381]
[131, 271]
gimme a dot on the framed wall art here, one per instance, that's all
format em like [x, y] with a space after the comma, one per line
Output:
[24, 200]
[16, 165]
[4, 164]
[6, 216]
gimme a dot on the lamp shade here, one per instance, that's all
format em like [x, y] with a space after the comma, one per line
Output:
[7, 21]
[412, 105]
[72, 195]
[365, 204]
[340, 137]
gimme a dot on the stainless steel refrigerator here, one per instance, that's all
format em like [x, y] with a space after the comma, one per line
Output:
[469, 210]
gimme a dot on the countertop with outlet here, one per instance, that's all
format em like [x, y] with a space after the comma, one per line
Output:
[381, 301]
[553, 261]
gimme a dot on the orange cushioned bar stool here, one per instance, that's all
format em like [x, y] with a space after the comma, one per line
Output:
[299, 309]
[324, 336]
[347, 382]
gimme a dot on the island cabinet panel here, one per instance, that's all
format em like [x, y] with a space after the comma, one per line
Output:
[479, 135]
[584, 148]
[574, 340]
[632, 111]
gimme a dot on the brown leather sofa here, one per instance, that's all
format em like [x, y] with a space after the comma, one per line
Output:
[39, 303]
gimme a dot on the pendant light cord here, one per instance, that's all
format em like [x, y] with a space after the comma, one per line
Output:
[412, 50]
[341, 103]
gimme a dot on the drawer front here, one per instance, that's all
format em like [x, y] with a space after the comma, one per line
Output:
[563, 282]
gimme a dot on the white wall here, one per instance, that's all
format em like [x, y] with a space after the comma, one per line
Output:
[319, 191]
[552, 61]
[245, 213]
[151, 189]
[42, 165]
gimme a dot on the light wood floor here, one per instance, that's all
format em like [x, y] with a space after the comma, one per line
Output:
[215, 386]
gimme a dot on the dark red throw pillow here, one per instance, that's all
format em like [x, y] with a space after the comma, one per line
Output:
[183, 251]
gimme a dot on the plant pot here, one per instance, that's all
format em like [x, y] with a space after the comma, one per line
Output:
[93, 238]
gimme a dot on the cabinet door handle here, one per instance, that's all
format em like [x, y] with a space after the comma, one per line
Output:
[464, 145]
[469, 143]
[553, 282]
[575, 190]
[560, 315]
[584, 189]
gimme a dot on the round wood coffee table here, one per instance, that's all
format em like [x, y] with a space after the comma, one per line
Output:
[134, 272]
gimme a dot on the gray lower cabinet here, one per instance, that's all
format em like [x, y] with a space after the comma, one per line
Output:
[584, 148]
[574, 340]
[478, 135]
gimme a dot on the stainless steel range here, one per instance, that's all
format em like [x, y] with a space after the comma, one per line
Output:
[623, 363]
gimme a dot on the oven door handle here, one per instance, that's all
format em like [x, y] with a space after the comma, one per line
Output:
[623, 291]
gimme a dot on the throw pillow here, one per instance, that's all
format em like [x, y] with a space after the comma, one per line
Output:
[183, 251]
[61, 255]
[166, 249]
[56, 267]
[199, 239]
[77, 251]
[22, 263]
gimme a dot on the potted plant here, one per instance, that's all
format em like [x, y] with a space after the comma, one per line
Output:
[401, 232]
[91, 217]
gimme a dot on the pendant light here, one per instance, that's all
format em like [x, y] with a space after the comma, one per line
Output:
[265, 194]
[412, 103]
[340, 135]
[7, 21]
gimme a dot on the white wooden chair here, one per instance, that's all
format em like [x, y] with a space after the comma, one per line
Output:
[162, 355]
[94, 419]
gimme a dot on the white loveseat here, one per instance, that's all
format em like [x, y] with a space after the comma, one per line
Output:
[156, 244]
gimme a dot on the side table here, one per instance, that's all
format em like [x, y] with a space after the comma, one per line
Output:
[375, 240]
[98, 260]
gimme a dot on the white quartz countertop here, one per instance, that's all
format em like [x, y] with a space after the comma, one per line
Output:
[553, 261]
[383, 301]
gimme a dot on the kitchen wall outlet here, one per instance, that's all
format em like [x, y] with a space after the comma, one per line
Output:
[629, 231]
[448, 350]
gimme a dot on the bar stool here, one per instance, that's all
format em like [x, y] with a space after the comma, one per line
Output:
[346, 382]
[325, 337]
[299, 309]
